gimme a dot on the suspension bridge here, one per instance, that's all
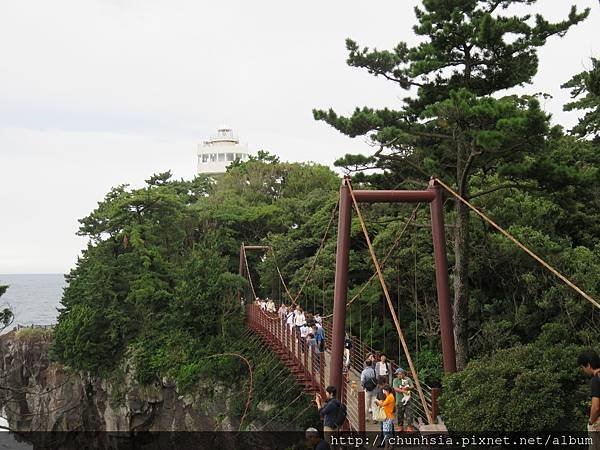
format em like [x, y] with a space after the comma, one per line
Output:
[314, 370]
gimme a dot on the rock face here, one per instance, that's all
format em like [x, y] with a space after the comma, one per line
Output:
[39, 395]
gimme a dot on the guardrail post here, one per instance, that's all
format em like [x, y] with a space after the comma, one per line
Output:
[362, 423]
[322, 372]
[306, 369]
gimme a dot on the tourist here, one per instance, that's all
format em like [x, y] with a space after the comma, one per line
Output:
[368, 380]
[311, 342]
[387, 426]
[329, 411]
[270, 306]
[379, 395]
[282, 311]
[314, 440]
[384, 368]
[318, 318]
[403, 387]
[589, 361]
[290, 318]
[304, 331]
[319, 336]
[299, 318]
[371, 357]
[347, 347]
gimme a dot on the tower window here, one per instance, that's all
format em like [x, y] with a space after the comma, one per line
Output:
[229, 156]
[221, 157]
[204, 158]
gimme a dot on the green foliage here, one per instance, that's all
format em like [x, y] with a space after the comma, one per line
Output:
[534, 388]
[158, 281]
[31, 333]
[6, 314]
[585, 92]
[458, 124]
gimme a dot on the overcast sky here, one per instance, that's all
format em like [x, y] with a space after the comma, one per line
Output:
[98, 93]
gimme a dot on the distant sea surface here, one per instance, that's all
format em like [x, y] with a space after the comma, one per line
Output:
[33, 298]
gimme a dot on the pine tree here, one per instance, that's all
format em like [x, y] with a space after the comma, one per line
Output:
[450, 125]
[585, 90]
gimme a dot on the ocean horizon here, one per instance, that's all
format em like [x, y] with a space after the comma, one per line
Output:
[33, 297]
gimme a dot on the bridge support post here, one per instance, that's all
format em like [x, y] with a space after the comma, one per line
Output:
[341, 288]
[242, 274]
[441, 279]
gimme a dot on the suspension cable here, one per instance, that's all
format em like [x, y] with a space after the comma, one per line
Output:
[307, 278]
[321, 245]
[389, 302]
[249, 275]
[519, 244]
[249, 399]
[412, 217]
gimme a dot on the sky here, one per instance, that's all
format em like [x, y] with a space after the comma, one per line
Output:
[95, 93]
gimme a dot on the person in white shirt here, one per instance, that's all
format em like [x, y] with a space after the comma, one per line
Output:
[282, 311]
[318, 318]
[289, 321]
[304, 330]
[270, 306]
[384, 369]
[299, 318]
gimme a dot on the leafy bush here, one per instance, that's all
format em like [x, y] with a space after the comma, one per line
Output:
[533, 387]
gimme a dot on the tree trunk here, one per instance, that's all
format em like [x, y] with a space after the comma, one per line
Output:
[461, 286]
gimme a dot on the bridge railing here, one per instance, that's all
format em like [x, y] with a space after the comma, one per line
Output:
[358, 355]
[310, 367]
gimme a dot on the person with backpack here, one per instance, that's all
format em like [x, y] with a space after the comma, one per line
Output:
[368, 380]
[332, 411]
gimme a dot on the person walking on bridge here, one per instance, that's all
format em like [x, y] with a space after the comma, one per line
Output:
[289, 321]
[403, 387]
[387, 426]
[368, 380]
[384, 369]
[282, 311]
[299, 318]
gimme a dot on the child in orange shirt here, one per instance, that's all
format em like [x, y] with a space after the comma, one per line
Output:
[387, 426]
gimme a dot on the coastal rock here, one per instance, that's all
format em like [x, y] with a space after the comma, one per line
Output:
[39, 395]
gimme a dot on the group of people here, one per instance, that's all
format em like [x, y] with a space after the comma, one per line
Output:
[388, 396]
[266, 305]
[309, 327]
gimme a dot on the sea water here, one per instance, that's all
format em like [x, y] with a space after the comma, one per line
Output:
[33, 298]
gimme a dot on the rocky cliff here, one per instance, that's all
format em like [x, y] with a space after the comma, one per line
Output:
[39, 395]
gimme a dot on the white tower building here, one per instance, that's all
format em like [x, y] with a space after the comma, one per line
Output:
[219, 151]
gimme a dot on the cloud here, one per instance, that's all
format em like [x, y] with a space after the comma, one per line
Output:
[95, 93]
